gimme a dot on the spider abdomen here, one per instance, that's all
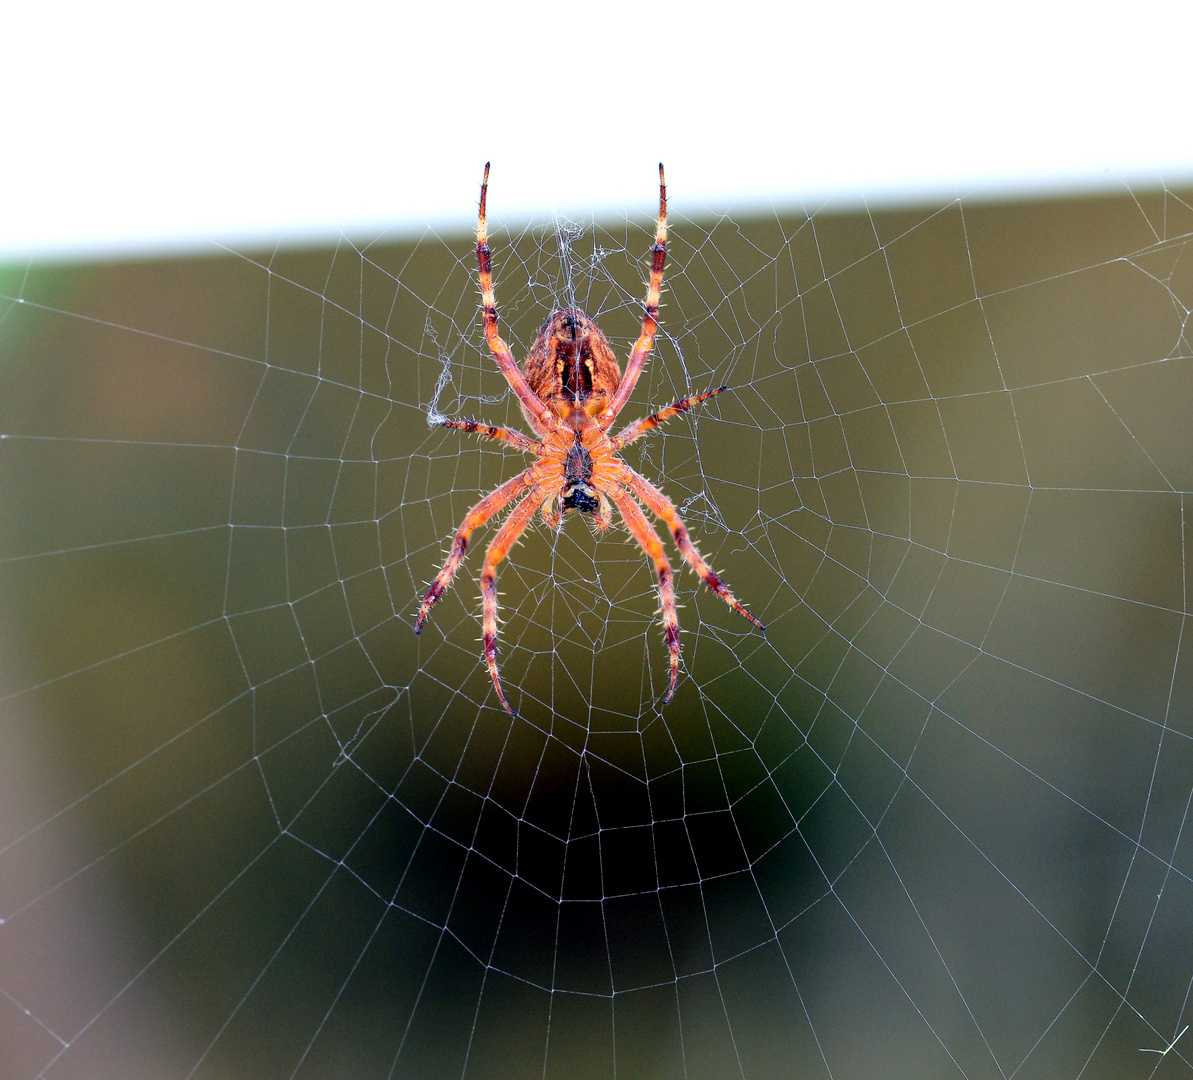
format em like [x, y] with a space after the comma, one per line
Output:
[572, 364]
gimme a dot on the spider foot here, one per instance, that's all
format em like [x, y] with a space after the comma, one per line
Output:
[491, 664]
[671, 636]
[501, 697]
[742, 611]
[424, 609]
[722, 590]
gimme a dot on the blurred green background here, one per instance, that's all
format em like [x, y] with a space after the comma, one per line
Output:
[931, 824]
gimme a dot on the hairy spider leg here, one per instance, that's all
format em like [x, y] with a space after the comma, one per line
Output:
[650, 320]
[506, 538]
[536, 412]
[506, 435]
[638, 428]
[645, 534]
[664, 508]
[496, 500]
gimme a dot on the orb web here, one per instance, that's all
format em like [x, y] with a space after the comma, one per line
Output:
[932, 823]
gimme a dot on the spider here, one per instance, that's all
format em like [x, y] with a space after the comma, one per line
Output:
[571, 390]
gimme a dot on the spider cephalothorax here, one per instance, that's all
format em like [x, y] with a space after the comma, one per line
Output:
[571, 390]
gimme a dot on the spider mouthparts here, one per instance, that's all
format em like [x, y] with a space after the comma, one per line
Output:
[579, 496]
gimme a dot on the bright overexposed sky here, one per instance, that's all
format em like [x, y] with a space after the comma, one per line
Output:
[136, 126]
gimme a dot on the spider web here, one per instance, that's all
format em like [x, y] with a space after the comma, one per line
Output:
[933, 823]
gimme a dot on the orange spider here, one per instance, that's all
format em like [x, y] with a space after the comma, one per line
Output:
[571, 390]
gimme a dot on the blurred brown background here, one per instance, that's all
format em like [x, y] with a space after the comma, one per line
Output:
[931, 824]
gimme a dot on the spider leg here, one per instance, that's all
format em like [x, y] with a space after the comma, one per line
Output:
[664, 508]
[506, 435]
[506, 538]
[477, 516]
[650, 320]
[648, 423]
[542, 417]
[644, 533]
